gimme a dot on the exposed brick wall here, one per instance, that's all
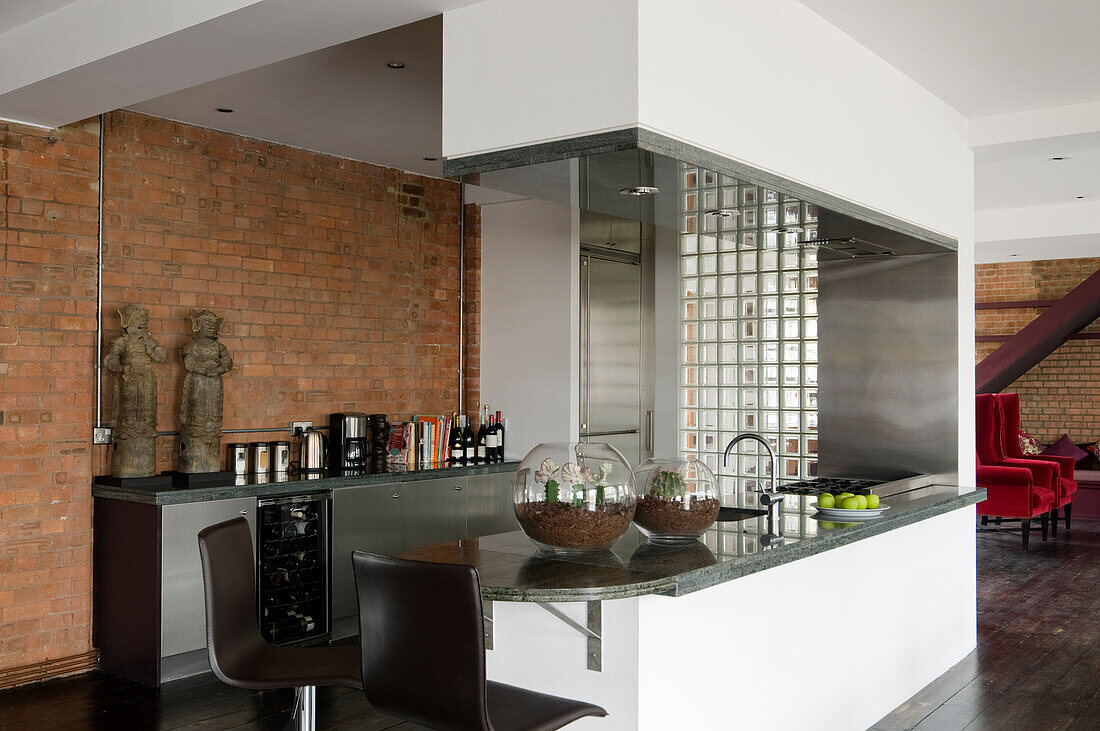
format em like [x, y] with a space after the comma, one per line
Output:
[337, 279]
[1061, 395]
[48, 200]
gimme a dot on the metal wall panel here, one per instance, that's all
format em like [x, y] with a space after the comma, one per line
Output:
[611, 329]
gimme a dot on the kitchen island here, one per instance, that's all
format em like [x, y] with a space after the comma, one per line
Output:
[817, 631]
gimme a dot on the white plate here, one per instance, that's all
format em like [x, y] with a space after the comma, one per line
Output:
[847, 516]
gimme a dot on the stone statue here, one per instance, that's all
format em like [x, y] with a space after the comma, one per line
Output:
[206, 361]
[132, 356]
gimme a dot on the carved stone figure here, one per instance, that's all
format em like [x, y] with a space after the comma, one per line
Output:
[206, 361]
[132, 356]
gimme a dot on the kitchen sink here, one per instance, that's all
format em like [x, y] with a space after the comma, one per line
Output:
[732, 515]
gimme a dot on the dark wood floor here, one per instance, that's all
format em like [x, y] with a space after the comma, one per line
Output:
[1037, 665]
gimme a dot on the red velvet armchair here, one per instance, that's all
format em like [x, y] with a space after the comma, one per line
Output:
[1017, 488]
[1009, 404]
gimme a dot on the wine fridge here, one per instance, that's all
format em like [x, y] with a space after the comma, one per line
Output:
[293, 568]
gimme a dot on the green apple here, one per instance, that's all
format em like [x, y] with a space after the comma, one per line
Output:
[872, 502]
[861, 501]
[843, 495]
[826, 500]
[850, 503]
[825, 525]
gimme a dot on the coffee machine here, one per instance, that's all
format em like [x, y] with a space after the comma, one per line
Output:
[348, 444]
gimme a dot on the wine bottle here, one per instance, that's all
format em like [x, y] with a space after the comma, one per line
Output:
[469, 444]
[500, 438]
[454, 442]
[490, 440]
[483, 437]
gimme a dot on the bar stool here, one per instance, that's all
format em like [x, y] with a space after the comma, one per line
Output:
[423, 651]
[239, 655]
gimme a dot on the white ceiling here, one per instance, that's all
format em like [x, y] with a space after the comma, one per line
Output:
[1036, 181]
[341, 100]
[14, 13]
[983, 57]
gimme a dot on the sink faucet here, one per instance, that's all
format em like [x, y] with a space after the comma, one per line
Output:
[769, 498]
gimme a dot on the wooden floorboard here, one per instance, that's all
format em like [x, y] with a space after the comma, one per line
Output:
[1036, 666]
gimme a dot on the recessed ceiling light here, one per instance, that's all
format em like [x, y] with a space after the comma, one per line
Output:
[395, 65]
[224, 110]
[430, 159]
[1081, 197]
[1059, 158]
[1013, 254]
[722, 212]
[640, 190]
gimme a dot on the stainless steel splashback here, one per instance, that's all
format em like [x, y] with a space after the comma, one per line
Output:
[888, 395]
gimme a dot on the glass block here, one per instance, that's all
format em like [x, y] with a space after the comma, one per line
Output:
[749, 307]
[709, 331]
[691, 354]
[729, 329]
[750, 195]
[769, 329]
[690, 397]
[769, 420]
[709, 307]
[811, 399]
[728, 263]
[691, 178]
[810, 211]
[708, 244]
[770, 352]
[809, 445]
[792, 352]
[708, 264]
[749, 375]
[790, 259]
[689, 244]
[790, 445]
[811, 327]
[691, 376]
[727, 180]
[691, 332]
[748, 218]
[770, 398]
[809, 258]
[770, 306]
[809, 420]
[708, 353]
[790, 284]
[790, 329]
[792, 399]
[790, 468]
[809, 468]
[729, 398]
[770, 375]
[769, 282]
[708, 398]
[790, 375]
[748, 353]
[748, 329]
[709, 223]
[691, 309]
[709, 287]
[727, 241]
[748, 284]
[690, 224]
[809, 281]
[689, 266]
[770, 240]
[749, 465]
[729, 374]
[690, 287]
[729, 420]
[691, 441]
[749, 398]
[770, 196]
[729, 353]
[691, 202]
[690, 418]
[708, 441]
[769, 261]
[809, 304]
[748, 261]
[709, 177]
[711, 461]
[710, 199]
[810, 348]
[748, 240]
[770, 215]
[810, 376]
[729, 309]
[729, 284]
[792, 212]
[790, 305]
[709, 374]
[791, 421]
[729, 197]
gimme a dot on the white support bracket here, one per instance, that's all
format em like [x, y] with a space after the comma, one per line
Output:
[593, 632]
[487, 616]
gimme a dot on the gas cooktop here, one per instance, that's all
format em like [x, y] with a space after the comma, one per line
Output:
[819, 485]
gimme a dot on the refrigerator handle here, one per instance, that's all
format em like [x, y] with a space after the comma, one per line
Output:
[649, 431]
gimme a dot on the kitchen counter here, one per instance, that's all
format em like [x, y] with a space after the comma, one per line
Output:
[512, 568]
[294, 484]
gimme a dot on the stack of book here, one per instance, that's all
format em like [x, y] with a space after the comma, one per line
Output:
[420, 444]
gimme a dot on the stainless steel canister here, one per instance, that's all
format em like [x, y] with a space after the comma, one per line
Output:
[238, 458]
[280, 456]
[261, 458]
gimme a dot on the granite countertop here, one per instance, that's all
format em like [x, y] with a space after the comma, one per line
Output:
[247, 486]
[512, 569]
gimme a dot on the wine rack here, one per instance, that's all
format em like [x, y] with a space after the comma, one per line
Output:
[293, 568]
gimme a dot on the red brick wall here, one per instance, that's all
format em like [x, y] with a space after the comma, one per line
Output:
[48, 201]
[337, 279]
[1061, 395]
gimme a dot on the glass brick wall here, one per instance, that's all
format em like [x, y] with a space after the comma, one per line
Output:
[748, 327]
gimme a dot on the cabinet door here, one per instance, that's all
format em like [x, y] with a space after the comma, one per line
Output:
[435, 511]
[370, 518]
[182, 607]
[489, 504]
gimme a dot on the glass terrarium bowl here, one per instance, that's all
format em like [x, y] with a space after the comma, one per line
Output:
[573, 496]
[678, 499]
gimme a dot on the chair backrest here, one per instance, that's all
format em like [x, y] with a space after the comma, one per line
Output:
[229, 581]
[1009, 404]
[421, 630]
[987, 419]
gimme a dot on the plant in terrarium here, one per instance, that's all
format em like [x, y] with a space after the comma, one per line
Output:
[679, 499]
[585, 504]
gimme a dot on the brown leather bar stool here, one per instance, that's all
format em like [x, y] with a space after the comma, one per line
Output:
[239, 655]
[420, 626]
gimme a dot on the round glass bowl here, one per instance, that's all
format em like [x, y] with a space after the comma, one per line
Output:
[573, 496]
[678, 499]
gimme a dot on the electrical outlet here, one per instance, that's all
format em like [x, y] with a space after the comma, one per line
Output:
[297, 427]
[101, 435]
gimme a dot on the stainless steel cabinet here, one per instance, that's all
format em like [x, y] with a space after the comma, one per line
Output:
[435, 511]
[368, 518]
[489, 505]
[182, 610]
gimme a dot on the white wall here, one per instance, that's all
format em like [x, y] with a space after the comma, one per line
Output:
[530, 279]
[519, 71]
